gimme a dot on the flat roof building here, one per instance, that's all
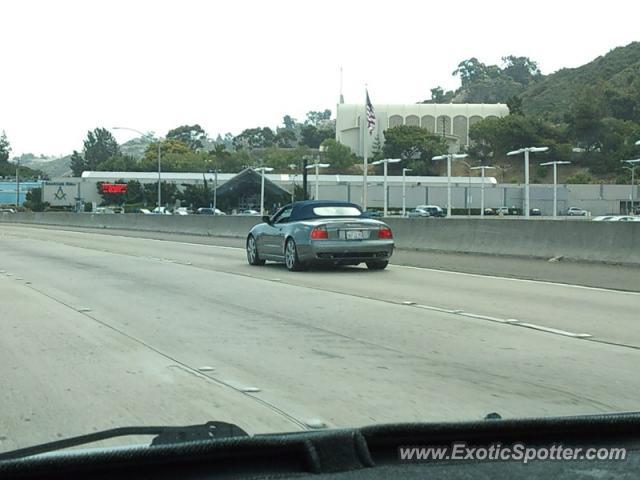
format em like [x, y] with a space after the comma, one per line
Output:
[452, 120]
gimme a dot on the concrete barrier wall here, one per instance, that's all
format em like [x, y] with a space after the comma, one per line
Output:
[614, 242]
[188, 224]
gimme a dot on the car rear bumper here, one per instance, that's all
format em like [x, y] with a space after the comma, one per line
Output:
[345, 252]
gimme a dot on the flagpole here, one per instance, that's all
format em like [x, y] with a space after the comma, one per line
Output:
[365, 125]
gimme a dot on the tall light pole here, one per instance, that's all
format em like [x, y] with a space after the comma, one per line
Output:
[293, 166]
[482, 168]
[633, 164]
[526, 152]
[215, 190]
[317, 167]
[555, 183]
[468, 199]
[159, 160]
[18, 184]
[448, 158]
[385, 162]
[262, 170]
[404, 191]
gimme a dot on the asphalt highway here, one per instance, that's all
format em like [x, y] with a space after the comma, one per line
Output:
[100, 331]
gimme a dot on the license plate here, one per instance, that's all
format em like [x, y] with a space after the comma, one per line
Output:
[354, 234]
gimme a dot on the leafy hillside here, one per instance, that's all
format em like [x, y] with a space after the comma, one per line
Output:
[616, 76]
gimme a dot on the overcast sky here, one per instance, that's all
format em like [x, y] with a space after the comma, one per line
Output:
[70, 66]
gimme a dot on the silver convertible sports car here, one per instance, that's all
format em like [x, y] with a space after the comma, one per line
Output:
[320, 232]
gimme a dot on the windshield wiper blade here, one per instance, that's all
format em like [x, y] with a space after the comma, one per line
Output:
[163, 436]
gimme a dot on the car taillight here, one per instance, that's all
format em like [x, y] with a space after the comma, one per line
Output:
[319, 233]
[385, 232]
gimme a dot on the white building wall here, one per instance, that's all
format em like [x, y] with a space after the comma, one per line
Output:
[351, 124]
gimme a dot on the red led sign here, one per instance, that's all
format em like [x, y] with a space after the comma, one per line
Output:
[114, 188]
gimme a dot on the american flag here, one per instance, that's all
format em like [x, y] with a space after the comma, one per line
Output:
[371, 116]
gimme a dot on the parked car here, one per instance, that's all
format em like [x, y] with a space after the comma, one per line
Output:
[104, 211]
[316, 231]
[535, 212]
[489, 211]
[576, 212]
[7, 210]
[161, 211]
[434, 210]
[209, 211]
[144, 211]
[249, 212]
[419, 212]
[603, 218]
[181, 211]
[372, 214]
[502, 211]
[624, 218]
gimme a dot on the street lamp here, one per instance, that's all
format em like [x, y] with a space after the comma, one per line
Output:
[526, 152]
[159, 158]
[385, 162]
[633, 164]
[262, 170]
[317, 166]
[448, 158]
[404, 191]
[555, 183]
[482, 168]
[293, 166]
[468, 195]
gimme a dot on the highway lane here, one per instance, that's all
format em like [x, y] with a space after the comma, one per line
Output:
[603, 314]
[100, 331]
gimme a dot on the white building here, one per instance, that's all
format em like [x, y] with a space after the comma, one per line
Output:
[450, 119]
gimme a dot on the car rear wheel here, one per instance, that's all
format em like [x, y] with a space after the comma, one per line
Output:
[291, 259]
[252, 252]
[380, 265]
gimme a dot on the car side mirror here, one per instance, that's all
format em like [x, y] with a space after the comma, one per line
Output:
[266, 219]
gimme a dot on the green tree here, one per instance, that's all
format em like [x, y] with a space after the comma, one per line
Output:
[169, 149]
[579, 178]
[99, 145]
[251, 138]
[193, 136]
[514, 104]
[169, 191]
[117, 163]
[376, 148]
[438, 95]
[197, 196]
[5, 147]
[470, 71]
[412, 142]
[224, 160]
[286, 138]
[135, 192]
[318, 119]
[77, 164]
[313, 136]
[521, 69]
[338, 156]
[585, 117]
[34, 200]
[289, 122]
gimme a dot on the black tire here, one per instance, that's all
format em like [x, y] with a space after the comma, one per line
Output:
[291, 259]
[377, 265]
[252, 252]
